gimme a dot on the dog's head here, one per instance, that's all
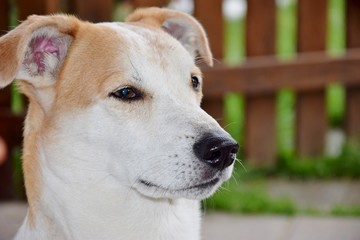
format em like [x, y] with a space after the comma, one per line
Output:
[118, 101]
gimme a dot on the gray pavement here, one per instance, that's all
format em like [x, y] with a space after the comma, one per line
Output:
[233, 227]
[315, 194]
[11, 217]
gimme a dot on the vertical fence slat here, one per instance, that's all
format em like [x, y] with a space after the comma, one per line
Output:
[26, 8]
[92, 10]
[353, 112]
[4, 16]
[260, 28]
[311, 109]
[260, 134]
[214, 28]
[352, 24]
[209, 13]
[311, 123]
[150, 3]
[352, 118]
[215, 108]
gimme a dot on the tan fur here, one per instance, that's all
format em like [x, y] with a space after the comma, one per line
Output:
[72, 93]
[155, 17]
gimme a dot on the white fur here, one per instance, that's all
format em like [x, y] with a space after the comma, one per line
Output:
[92, 160]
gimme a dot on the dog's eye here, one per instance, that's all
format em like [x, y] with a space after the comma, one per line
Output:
[127, 94]
[195, 82]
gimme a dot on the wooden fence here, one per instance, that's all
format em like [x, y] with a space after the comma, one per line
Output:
[258, 79]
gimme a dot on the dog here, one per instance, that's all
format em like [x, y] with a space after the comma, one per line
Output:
[116, 145]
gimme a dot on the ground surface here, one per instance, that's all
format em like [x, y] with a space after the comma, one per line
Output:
[222, 226]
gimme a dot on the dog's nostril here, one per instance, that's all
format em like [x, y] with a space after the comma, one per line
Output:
[218, 152]
[215, 154]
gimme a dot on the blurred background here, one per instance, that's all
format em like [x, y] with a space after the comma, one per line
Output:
[286, 86]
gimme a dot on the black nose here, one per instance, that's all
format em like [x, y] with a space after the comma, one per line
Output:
[218, 152]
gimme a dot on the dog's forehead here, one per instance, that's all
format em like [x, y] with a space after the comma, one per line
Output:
[146, 46]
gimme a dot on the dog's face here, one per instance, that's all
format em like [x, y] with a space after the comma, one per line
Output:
[125, 106]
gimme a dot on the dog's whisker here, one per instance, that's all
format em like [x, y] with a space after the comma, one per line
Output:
[229, 124]
[240, 162]
[236, 182]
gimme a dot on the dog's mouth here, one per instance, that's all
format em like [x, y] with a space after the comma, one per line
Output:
[201, 186]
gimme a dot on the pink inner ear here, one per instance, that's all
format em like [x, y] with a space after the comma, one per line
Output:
[174, 29]
[39, 47]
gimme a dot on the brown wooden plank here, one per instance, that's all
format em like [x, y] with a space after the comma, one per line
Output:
[309, 71]
[353, 24]
[4, 16]
[92, 10]
[260, 135]
[260, 128]
[5, 98]
[150, 3]
[353, 112]
[260, 28]
[311, 27]
[260, 144]
[311, 130]
[311, 116]
[352, 115]
[215, 108]
[41, 7]
[209, 13]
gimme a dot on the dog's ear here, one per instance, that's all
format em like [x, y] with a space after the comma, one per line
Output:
[181, 26]
[35, 50]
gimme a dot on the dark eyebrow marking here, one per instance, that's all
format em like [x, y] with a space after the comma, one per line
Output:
[137, 76]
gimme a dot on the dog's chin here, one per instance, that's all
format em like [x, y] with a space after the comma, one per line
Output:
[194, 191]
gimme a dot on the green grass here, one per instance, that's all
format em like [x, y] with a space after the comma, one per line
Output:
[246, 194]
[346, 165]
[351, 211]
[249, 198]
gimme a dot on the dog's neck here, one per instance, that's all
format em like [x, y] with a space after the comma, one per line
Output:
[105, 210]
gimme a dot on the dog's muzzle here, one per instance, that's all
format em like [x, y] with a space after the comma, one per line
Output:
[218, 151]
